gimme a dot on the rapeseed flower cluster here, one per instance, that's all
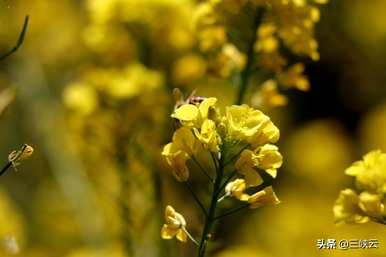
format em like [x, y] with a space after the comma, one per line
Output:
[241, 142]
[276, 25]
[366, 202]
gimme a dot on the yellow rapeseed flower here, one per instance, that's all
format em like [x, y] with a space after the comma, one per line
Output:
[176, 153]
[264, 197]
[346, 208]
[236, 189]
[208, 136]
[245, 165]
[370, 173]
[175, 225]
[80, 98]
[253, 126]
[269, 95]
[193, 115]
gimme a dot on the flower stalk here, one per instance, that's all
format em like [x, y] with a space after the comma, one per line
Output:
[19, 41]
[244, 76]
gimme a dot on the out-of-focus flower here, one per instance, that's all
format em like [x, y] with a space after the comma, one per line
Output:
[329, 149]
[175, 225]
[228, 61]
[370, 173]
[80, 98]
[346, 208]
[266, 41]
[264, 197]
[293, 77]
[370, 180]
[269, 95]
[189, 67]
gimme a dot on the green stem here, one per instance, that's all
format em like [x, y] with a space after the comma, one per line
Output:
[210, 219]
[226, 181]
[6, 167]
[236, 155]
[232, 212]
[19, 41]
[202, 169]
[250, 57]
[196, 198]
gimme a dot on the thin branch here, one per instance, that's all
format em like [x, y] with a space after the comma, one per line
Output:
[227, 180]
[232, 212]
[19, 41]
[196, 198]
[236, 155]
[202, 169]
[6, 167]
[244, 76]
[214, 161]
[189, 235]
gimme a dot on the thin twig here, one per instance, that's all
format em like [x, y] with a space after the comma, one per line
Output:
[6, 167]
[227, 180]
[236, 155]
[196, 198]
[189, 235]
[244, 76]
[214, 160]
[19, 41]
[232, 212]
[202, 169]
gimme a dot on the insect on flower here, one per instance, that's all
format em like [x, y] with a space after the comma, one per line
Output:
[192, 98]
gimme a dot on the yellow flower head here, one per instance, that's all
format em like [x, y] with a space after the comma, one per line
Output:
[269, 159]
[294, 77]
[264, 197]
[266, 158]
[193, 115]
[346, 208]
[245, 165]
[179, 151]
[80, 98]
[228, 61]
[269, 95]
[208, 136]
[370, 173]
[236, 189]
[175, 224]
[371, 204]
[250, 125]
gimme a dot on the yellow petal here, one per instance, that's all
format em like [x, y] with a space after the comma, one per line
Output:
[181, 236]
[346, 208]
[264, 197]
[206, 105]
[186, 113]
[168, 232]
